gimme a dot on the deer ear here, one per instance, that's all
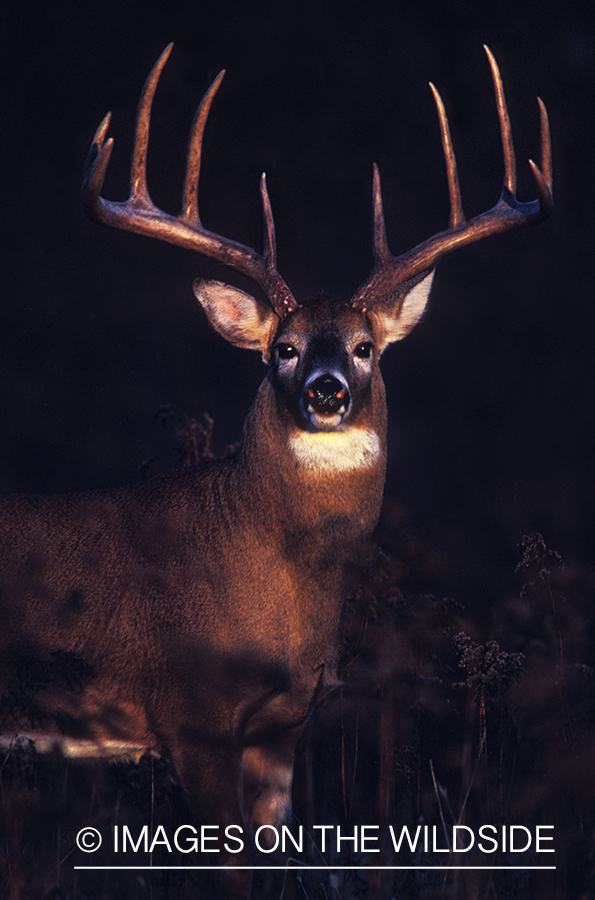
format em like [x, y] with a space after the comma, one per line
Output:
[395, 315]
[238, 317]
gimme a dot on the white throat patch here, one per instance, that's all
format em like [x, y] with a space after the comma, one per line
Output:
[335, 451]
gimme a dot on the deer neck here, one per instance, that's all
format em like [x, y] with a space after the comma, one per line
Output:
[313, 483]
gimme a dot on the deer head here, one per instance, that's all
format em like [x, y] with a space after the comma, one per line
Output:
[390, 302]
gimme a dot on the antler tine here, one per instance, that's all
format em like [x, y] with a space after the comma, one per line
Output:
[95, 165]
[140, 215]
[190, 198]
[454, 191]
[270, 243]
[139, 194]
[283, 302]
[544, 177]
[381, 251]
[505, 128]
[389, 272]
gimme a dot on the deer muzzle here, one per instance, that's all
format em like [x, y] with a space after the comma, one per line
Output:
[325, 401]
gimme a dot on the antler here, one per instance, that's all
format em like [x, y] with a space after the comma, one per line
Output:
[139, 214]
[389, 271]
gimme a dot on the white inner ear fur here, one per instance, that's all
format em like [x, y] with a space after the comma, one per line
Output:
[239, 318]
[394, 327]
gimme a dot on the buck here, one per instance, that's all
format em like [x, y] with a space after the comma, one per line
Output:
[199, 612]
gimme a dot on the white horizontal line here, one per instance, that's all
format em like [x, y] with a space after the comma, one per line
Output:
[308, 868]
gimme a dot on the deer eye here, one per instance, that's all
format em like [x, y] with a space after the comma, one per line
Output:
[286, 351]
[363, 350]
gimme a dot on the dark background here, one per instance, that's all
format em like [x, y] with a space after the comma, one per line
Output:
[490, 399]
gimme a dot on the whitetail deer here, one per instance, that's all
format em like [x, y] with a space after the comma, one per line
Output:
[199, 612]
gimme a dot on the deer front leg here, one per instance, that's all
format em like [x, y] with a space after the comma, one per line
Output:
[267, 776]
[211, 778]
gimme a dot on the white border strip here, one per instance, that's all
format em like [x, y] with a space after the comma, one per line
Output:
[310, 868]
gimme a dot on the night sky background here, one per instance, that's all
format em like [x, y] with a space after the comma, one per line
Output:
[492, 432]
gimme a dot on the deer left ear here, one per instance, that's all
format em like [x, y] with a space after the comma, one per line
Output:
[395, 315]
[239, 318]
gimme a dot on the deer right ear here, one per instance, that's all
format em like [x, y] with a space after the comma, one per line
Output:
[396, 315]
[238, 317]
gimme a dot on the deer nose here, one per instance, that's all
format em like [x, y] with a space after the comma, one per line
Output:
[326, 394]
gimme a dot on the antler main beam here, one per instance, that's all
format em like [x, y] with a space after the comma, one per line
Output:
[391, 271]
[140, 215]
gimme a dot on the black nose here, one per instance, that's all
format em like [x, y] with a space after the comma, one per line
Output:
[327, 395]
